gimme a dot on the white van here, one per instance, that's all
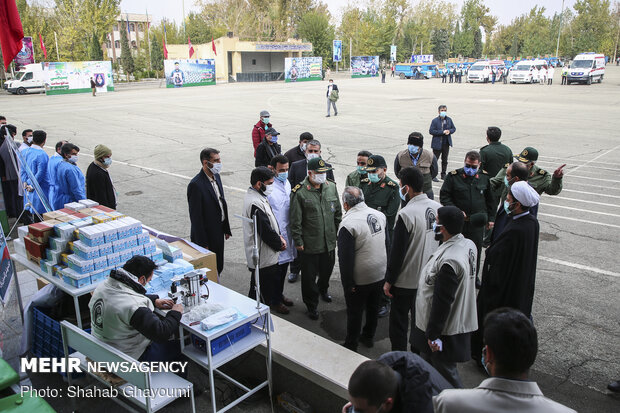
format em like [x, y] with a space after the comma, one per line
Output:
[30, 79]
[523, 72]
[586, 67]
[482, 71]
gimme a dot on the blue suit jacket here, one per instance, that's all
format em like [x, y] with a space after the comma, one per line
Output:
[436, 129]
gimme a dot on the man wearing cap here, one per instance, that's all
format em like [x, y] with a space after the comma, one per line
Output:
[268, 148]
[381, 191]
[442, 129]
[469, 189]
[298, 153]
[258, 131]
[99, 186]
[509, 270]
[354, 178]
[314, 218]
[299, 169]
[417, 157]
[539, 179]
[445, 308]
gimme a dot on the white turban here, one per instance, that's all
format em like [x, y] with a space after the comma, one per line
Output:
[524, 194]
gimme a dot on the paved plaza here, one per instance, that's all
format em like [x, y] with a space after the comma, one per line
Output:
[156, 135]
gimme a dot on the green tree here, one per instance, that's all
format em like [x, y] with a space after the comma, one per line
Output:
[95, 52]
[127, 62]
[591, 27]
[314, 27]
[440, 45]
[477, 51]
[157, 54]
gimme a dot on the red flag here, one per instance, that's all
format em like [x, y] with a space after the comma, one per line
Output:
[11, 31]
[165, 49]
[42, 46]
[191, 48]
[213, 46]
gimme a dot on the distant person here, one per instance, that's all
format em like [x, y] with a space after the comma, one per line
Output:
[258, 131]
[394, 68]
[565, 74]
[93, 86]
[550, 73]
[27, 139]
[99, 186]
[397, 382]
[383, 75]
[355, 177]
[70, 181]
[332, 97]
[298, 153]
[52, 165]
[444, 75]
[268, 148]
[37, 160]
[511, 345]
[442, 129]
[208, 210]
[451, 74]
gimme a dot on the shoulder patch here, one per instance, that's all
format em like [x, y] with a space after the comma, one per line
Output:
[296, 188]
[391, 183]
[542, 172]
[454, 172]
[507, 165]
[365, 180]
[485, 172]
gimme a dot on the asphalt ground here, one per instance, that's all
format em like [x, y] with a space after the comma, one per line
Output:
[156, 136]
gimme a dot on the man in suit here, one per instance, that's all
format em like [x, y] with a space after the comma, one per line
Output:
[511, 344]
[331, 87]
[208, 211]
[299, 170]
[442, 129]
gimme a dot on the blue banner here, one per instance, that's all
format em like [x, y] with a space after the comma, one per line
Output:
[337, 51]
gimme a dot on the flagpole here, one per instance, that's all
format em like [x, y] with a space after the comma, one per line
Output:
[184, 29]
[56, 40]
[148, 38]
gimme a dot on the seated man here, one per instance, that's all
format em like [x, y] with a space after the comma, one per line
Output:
[398, 381]
[122, 314]
[510, 350]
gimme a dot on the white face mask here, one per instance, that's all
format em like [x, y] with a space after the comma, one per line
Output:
[303, 147]
[29, 139]
[217, 168]
[312, 155]
[107, 161]
[319, 178]
[73, 159]
[268, 189]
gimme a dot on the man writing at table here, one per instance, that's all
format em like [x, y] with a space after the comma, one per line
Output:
[122, 314]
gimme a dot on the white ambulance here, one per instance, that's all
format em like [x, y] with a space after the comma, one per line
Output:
[482, 71]
[586, 68]
[30, 79]
[523, 72]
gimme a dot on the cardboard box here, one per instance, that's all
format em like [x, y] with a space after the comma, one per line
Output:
[41, 282]
[40, 231]
[89, 212]
[198, 259]
[102, 208]
[35, 249]
[53, 215]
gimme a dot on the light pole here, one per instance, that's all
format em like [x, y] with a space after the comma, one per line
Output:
[557, 47]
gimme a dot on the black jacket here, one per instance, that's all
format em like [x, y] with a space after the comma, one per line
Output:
[99, 186]
[334, 88]
[264, 153]
[205, 214]
[299, 170]
[294, 154]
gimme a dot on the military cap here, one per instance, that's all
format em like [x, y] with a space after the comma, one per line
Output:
[318, 165]
[374, 162]
[528, 154]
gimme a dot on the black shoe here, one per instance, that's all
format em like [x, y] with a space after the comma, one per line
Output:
[435, 179]
[326, 297]
[614, 386]
[327, 116]
[367, 341]
[384, 310]
[292, 277]
[313, 314]
[336, 114]
[443, 176]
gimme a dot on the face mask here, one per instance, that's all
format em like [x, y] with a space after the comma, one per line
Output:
[267, 189]
[274, 139]
[216, 168]
[107, 161]
[73, 159]
[282, 176]
[437, 231]
[400, 192]
[29, 139]
[312, 155]
[374, 177]
[413, 149]
[507, 182]
[442, 114]
[361, 170]
[319, 178]
[507, 207]
[483, 360]
[302, 147]
[470, 171]
[265, 121]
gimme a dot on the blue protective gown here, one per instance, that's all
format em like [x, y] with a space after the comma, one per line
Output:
[70, 184]
[37, 161]
[52, 165]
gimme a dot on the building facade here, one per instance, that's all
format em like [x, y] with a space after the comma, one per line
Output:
[137, 34]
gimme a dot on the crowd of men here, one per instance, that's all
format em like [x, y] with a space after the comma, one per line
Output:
[33, 181]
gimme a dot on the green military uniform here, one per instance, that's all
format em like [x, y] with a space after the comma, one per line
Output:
[494, 156]
[472, 195]
[354, 178]
[383, 195]
[315, 214]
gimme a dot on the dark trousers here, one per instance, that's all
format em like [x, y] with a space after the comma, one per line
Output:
[563, 80]
[313, 266]
[13, 203]
[365, 298]
[476, 234]
[382, 77]
[451, 78]
[296, 266]
[403, 304]
[447, 369]
[443, 79]
[270, 285]
[443, 153]
[283, 271]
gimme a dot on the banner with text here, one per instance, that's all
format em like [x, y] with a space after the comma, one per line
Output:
[74, 77]
[422, 58]
[302, 69]
[393, 53]
[364, 66]
[189, 72]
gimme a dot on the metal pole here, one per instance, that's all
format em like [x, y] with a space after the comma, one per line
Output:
[184, 29]
[148, 37]
[350, 50]
[56, 40]
[557, 47]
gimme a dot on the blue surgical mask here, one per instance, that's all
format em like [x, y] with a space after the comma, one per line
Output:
[506, 182]
[400, 192]
[107, 161]
[266, 121]
[274, 139]
[413, 149]
[470, 171]
[374, 177]
[443, 113]
[507, 207]
[361, 170]
[282, 176]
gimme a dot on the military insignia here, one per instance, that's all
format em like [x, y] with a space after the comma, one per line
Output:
[391, 183]
[308, 187]
[321, 162]
[333, 207]
[383, 185]
[370, 161]
[524, 153]
[542, 172]
[507, 165]
[365, 180]
[453, 172]
[296, 188]
[485, 172]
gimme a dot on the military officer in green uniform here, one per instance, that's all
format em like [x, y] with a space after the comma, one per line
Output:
[380, 191]
[354, 178]
[315, 214]
[469, 189]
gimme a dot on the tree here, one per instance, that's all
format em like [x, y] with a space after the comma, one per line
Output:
[126, 58]
[440, 44]
[591, 27]
[157, 54]
[477, 51]
[314, 27]
[95, 52]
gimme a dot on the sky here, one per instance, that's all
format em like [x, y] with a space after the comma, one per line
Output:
[504, 10]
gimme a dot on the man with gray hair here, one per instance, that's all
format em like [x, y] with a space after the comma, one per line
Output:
[299, 169]
[363, 261]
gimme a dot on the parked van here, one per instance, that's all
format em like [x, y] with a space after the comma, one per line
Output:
[482, 71]
[30, 79]
[586, 68]
[523, 72]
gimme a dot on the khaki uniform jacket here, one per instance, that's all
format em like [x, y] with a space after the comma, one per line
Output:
[425, 161]
[539, 179]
